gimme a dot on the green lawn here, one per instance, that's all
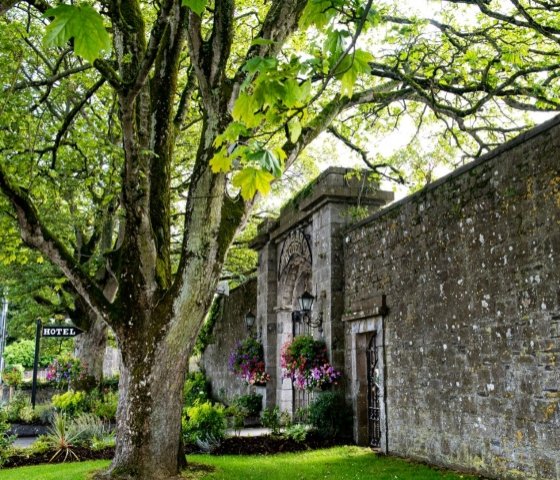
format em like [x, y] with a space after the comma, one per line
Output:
[341, 463]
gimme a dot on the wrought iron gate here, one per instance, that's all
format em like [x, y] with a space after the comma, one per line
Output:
[300, 398]
[374, 417]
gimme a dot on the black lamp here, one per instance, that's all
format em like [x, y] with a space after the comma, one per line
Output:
[306, 302]
[250, 320]
[304, 313]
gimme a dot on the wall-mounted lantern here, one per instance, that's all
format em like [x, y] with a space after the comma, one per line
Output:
[304, 313]
[250, 320]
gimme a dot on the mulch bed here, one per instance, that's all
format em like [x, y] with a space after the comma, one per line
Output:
[37, 458]
[265, 445]
[268, 445]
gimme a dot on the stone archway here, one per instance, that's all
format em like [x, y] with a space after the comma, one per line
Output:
[294, 269]
[294, 278]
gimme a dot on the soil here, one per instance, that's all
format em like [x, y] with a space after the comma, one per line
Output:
[37, 458]
[268, 445]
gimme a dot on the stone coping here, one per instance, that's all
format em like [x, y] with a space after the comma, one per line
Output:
[505, 147]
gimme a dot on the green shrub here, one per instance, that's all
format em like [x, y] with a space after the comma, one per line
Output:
[236, 417]
[203, 422]
[105, 406]
[250, 404]
[21, 352]
[19, 409]
[297, 432]
[5, 439]
[196, 389]
[13, 375]
[103, 442]
[70, 402]
[110, 383]
[40, 445]
[330, 415]
[86, 427]
[270, 418]
[44, 413]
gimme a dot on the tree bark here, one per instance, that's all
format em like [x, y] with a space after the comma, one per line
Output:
[89, 348]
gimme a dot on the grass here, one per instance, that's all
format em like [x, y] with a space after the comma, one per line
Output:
[64, 471]
[340, 463]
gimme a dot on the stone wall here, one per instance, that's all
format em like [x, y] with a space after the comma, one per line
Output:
[228, 330]
[471, 272]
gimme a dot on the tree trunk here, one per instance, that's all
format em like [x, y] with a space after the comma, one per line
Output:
[148, 444]
[90, 349]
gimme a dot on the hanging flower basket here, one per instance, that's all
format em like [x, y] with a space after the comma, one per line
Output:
[304, 361]
[247, 362]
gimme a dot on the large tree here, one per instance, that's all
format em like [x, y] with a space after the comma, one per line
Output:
[212, 100]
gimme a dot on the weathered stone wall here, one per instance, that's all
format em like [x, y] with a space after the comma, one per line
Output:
[471, 270]
[228, 330]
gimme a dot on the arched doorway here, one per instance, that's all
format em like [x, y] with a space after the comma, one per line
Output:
[294, 278]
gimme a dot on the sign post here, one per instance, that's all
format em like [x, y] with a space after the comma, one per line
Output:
[48, 331]
[36, 362]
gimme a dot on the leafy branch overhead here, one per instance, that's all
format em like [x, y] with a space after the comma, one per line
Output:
[81, 23]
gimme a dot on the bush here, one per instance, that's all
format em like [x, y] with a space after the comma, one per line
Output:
[70, 402]
[250, 404]
[236, 417]
[297, 432]
[19, 409]
[196, 389]
[44, 413]
[270, 418]
[105, 406]
[87, 427]
[13, 375]
[203, 422]
[330, 415]
[21, 352]
[5, 439]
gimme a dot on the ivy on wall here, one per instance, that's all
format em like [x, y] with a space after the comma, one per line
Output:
[205, 334]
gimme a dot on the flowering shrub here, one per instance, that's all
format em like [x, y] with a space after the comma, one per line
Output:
[247, 361]
[13, 375]
[65, 369]
[304, 361]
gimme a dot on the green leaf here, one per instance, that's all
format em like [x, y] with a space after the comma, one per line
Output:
[82, 23]
[262, 41]
[295, 130]
[266, 159]
[244, 110]
[352, 66]
[334, 44]
[318, 13]
[221, 161]
[260, 64]
[197, 6]
[231, 133]
[250, 180]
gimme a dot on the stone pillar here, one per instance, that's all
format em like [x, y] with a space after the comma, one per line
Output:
[266, 316]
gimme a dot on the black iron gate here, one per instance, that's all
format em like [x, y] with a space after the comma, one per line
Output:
[300, 398]
[374, 417]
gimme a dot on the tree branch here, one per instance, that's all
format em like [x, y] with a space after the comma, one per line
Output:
[36, 235]
[70, 118]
